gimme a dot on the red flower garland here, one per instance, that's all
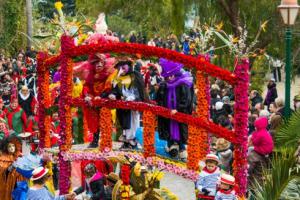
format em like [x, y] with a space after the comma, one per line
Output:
[65, 141]
[198, 137]
[125, 177]
[105, 128]
[44, 101]
[164, 112]
[147, 51]
[85, 130]
[149, 124]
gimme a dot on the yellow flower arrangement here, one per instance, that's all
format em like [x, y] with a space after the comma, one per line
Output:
[58, 5]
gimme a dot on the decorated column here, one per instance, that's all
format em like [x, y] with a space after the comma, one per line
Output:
[198, 138]
[240, 124]
[105, 129]
[44, 101]
[65, 115]
[149, 123]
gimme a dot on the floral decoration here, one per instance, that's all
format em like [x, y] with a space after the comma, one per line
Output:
[149, 124]
[164, 112]
[65, 141]
[198, 145]
[161, 163]
[240, 125]
[147, 51]
[85, 130]
[199, 125]
[125, 177]
[44, 101]
[105, 128]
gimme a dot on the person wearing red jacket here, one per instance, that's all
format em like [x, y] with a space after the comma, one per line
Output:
[260, 146]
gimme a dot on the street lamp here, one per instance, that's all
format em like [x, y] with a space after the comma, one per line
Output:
[289, 11]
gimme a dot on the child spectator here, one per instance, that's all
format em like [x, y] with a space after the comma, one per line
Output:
[226, 191]
[208, 177]
[224, 153]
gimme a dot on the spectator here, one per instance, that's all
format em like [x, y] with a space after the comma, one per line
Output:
[255, 98]
[272, 92]
[26, 100]
[296, 102]
[260, 146]
[38, 191]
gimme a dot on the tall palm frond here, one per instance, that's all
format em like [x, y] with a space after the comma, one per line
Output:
[282, 172]
[288, 134]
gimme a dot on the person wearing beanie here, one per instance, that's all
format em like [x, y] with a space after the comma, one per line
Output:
[226, 189]
[208, 178]
[218, 111]
[176, 93]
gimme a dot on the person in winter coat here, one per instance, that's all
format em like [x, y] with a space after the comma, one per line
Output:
[93, 186]
[175, 93]
[272, 92]
[260, 145]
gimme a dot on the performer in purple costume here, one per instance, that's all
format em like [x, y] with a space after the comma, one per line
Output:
[175, 93]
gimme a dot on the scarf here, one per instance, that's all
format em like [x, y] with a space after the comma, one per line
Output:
[187, 79]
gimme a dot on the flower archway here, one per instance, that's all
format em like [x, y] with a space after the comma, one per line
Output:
[199, 124]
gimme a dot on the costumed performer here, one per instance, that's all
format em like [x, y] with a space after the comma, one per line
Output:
[176, 93]
[11, 150]
[127, 85]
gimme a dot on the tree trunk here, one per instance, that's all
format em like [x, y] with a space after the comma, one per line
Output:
[29, 21]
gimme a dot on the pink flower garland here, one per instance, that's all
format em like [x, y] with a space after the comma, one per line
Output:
[160, 163]
[240, 125]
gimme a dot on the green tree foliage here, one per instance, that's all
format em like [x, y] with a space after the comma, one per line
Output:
[13, 24]
[45, 8]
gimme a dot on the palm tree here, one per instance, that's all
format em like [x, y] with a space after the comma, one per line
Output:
[280, 180]
[288, 135]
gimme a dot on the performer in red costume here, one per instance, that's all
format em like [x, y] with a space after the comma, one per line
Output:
[96, 72]
[16, 117]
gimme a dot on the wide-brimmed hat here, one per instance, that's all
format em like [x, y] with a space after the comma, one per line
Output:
[227, 179]
[212, 157]
[169, 68]
[39, 173]
[222, 144]
[112, 177]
